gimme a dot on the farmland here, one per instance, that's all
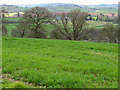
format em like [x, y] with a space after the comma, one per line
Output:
[16, 19]
[12, 14]
[61, 63]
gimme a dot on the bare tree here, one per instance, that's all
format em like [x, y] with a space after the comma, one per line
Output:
[78, 20]
[35, 19]
[70, 24]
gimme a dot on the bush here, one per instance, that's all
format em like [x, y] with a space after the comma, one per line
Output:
[95, 35]
[40, 34]
[4, 31]
[115, 20]
[55, 34]
[17, 85]
[110, 32]
[19, 31]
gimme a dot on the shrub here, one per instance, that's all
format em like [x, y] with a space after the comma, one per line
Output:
[19, 31]
[55, 34]
[40, 34]
[4, 31]
[17, 85]
[110, 32]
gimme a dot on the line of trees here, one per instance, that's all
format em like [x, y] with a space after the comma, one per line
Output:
[34, 20]
[69, 26]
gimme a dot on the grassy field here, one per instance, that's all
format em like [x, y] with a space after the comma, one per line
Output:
[16, 19]
[12, 14]
[95, 23]
[61, 63]
[10, 27]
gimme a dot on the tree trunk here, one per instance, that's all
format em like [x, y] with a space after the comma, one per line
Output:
[22, 34]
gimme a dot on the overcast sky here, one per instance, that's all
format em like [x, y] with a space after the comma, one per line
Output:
[79, 2]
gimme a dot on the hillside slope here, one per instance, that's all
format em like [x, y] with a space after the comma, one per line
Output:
[63, 7]
[61, 63]
[12, 8]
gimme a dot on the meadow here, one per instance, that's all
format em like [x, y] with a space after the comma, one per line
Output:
[60, 63]
[16, 19]
[10, 27]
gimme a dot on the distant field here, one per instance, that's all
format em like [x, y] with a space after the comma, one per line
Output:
[10, 27]
[12, 14]
[95, 23]
[16, 19]
[61, 63]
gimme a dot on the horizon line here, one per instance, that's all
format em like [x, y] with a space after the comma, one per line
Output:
[58, 2]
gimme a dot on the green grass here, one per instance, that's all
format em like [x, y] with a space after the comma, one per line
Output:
[95, 23]
[10, 27]
[13, 19]
[99, 27]
[9, 83]
[61, 63]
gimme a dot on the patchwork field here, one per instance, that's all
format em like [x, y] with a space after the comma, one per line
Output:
[60, 63]
[16, 19]
[12, 14]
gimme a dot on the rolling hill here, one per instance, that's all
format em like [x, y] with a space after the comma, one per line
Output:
[13, 8]
[63, 7]
[60, 63]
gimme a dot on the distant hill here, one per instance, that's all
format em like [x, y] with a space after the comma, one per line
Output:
[58, 4]
[104, 5]
[46, 4]
[12, 8]
[63, 7]
[55, 7]
[28, 5]
[63, 4]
